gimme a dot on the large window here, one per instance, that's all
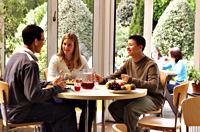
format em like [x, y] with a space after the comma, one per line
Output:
[124, 27]
[18, 15]
[76, 16]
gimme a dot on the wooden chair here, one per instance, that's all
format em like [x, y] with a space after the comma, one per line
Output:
[119, 128]
[191, 114]
[46, 73]
[4, 99]
[159, 123]
[163, 79]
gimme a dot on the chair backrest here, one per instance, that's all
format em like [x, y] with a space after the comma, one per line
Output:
[46, 73]
[182, 89]
[4, 87]
[119, 128]
[190, 109]
[163, 79]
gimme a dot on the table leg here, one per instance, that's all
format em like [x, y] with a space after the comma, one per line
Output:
[95, 118]
[86, 116]
[103, 119]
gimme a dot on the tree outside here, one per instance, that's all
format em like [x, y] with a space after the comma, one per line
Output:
[75, 17]
[175, 28]
[137, 22]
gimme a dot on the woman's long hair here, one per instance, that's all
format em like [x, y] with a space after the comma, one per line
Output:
[159, 54]
[76, 53]
[175, 52]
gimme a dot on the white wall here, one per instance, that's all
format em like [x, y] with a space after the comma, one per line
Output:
[197, 38]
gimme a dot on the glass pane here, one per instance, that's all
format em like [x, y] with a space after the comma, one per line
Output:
[22, 14]
[124, 14]
[76, 16]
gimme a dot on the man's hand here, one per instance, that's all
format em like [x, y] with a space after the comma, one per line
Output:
[125, 77]
[98, 78]
[60, 81]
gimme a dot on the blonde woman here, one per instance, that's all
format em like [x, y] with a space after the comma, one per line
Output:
[70, 61]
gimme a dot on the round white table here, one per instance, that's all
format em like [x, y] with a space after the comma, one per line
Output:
[99, 92]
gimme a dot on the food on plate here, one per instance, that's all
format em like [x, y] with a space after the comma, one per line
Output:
[61, 71]
[49, 86]
[70, 80]
[123, 87]
[68, 73]
[121, 83]
[132, 86]
[128, 87]
[114, 85]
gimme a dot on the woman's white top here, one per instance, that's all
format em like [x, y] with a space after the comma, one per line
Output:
[56, 65]
[161, 62]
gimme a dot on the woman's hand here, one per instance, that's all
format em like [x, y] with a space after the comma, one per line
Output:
[125, 77]
[98, 78]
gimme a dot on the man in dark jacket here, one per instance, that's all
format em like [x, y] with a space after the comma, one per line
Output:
[28, 101]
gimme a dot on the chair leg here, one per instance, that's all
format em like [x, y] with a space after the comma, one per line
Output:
[2, 130]
[187, 129]
[40, 128]
[35, 128]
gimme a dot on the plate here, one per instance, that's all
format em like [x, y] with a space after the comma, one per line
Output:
[121, 91]
[70, 81]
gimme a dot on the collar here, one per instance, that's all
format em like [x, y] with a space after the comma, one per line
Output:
[29, 52]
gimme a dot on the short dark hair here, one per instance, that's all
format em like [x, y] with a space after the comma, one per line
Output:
[139, 40]
[175, 52]
[30, 33]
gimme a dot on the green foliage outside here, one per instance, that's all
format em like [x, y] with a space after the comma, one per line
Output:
[123, 18]
[12, 12]
[193, 4]
[121, 38]
[159, 7]
[15, 12]
[120, 45]
[89, 5]
[175, 28]
[117, 3]
[137, 22]
[35, 16]
[124, 12]
[32, 4]
[75, 17]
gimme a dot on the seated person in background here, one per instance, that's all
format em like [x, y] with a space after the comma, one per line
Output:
[28, 101]
[157, 57]
[178, 68]
[144, 73]
[71, 61]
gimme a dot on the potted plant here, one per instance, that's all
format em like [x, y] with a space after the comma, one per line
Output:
[194, 75]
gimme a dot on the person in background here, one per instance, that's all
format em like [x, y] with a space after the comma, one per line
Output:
[144, 73]
[27, 99]
[158, 58]
[178, 68]
[70, 61]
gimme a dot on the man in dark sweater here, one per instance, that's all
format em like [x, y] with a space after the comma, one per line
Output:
[144, 73]
[28, 101]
